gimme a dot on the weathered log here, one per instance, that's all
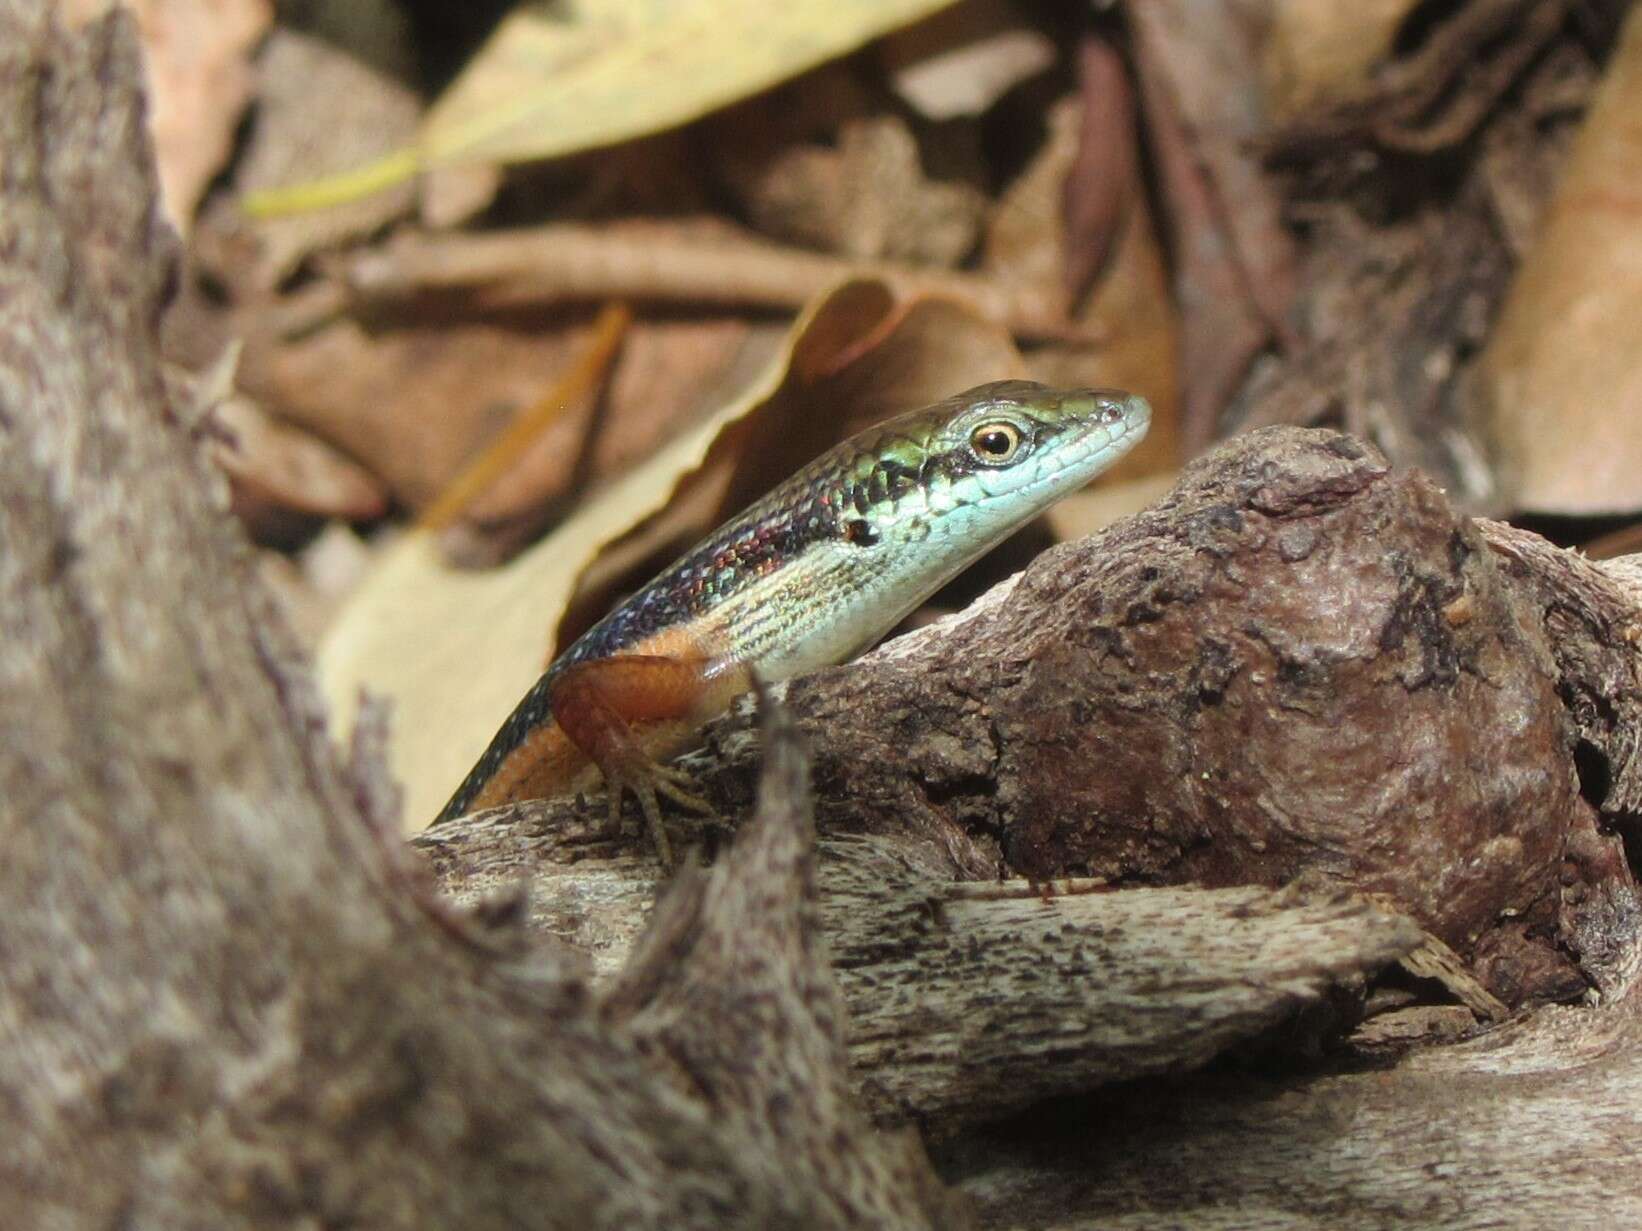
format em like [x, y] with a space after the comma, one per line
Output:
[1299, 662]
[1503, 1130]
[970, 1000]
[225, 998]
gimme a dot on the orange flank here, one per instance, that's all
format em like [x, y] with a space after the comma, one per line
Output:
[623, 714]
[544, 764]
[598, 704]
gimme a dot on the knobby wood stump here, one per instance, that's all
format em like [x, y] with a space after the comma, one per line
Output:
[1299, 662]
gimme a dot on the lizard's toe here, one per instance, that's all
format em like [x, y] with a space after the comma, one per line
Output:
[646, 792]
[674, 790]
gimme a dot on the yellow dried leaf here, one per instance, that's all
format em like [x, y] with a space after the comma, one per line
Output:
[557, 78]
[1560, 388]
[546, 85]
[1321, 54]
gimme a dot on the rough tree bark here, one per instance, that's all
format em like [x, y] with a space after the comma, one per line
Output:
[970, 1000]
[224, 999]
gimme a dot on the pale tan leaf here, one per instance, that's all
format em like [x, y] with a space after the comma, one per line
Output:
[197, 54]
[965, 59]
[1321, 54]
[1561, 381]
[554, 79]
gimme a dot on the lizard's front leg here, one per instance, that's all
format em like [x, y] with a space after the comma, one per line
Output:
[625, 711]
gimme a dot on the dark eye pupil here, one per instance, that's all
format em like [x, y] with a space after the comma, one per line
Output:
[994, 442]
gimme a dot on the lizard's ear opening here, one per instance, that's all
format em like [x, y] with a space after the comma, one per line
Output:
[860, 532]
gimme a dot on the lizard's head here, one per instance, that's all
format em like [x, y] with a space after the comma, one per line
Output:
[954, 478]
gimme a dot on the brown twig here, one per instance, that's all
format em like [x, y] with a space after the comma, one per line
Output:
[506, 449]
[1485, 79]
[670, 263]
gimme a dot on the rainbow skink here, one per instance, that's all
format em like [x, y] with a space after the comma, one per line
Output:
[816, 571]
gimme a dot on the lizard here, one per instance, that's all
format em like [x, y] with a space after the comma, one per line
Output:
[813, 573]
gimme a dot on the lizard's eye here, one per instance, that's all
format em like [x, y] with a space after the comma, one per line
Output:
[995, 444]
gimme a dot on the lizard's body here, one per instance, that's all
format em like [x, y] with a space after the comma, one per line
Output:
[823, 566]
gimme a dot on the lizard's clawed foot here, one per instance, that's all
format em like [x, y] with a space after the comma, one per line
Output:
[648, 780]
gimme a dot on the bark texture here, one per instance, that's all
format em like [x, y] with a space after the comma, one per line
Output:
[225, 997]
[967, 1001]
[1529, 1127]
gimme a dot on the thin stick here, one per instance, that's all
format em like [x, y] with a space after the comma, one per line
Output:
[672, 263]
[506, 449]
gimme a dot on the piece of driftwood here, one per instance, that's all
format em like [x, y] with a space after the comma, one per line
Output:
[669, 262]
[1504, 1130]
[1299, 662]
[970, 1000]
[226, 997]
